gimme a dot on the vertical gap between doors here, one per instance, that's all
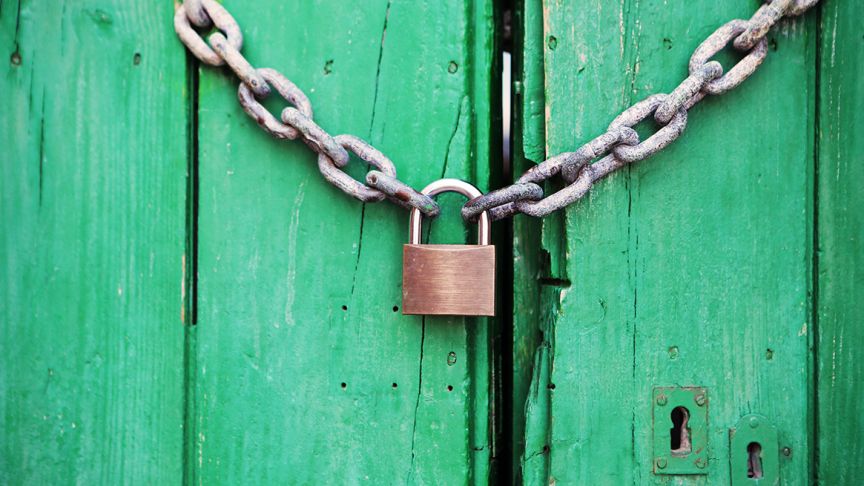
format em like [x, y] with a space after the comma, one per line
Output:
[190, 273]
[504, 450]
[814, 256]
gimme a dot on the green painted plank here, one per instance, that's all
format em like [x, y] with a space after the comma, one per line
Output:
[532, 106]
[299, 285]
[691, 268]
[92, 238]
[598, 33]
[840, 260]
[528, 142]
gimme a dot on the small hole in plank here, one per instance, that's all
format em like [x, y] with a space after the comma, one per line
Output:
[344, 385]
[344, 307]
[754, 460]
[395, 385]
[136, 59]
[395, 308]
[449, 388]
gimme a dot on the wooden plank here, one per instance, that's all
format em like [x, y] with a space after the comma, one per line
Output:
[306, 370]
[528, 148]
[92, 238]
[840, 260]
[691, 268]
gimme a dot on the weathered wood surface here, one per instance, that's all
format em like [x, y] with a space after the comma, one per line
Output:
[690, 268]
[840, 243]
[92, 241]
[301, 368]
[696, 267]
[305, 369]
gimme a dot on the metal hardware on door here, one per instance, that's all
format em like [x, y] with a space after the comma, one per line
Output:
[754, 456]
[680, 417]
[449, 279]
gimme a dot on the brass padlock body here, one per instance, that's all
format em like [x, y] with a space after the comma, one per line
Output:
[456, 280]
[448, 280]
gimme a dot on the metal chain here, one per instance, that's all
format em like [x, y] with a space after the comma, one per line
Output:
[620, 144]
[223, 48]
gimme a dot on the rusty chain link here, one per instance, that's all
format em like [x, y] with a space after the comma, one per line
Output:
[296, 121]
[216, 14]
[287, 90]
[196, 14]
[619, 146]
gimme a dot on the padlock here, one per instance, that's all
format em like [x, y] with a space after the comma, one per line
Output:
[448, 279]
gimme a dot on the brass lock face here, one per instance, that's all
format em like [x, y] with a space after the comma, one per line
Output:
[448, 279]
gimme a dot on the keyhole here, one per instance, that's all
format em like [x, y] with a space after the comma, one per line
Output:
[680, 433]
[754, 460]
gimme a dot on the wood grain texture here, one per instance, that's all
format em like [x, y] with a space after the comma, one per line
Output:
[92, 241]
[691, 268]
[306, 370]
[840, 237]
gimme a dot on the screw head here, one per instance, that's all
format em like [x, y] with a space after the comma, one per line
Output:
[754, 422]
[787, 451]
[661, 400]
[701, 463]
[660, 462]
[700, 399]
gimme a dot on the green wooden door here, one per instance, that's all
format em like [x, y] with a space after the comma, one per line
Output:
[304, 366]
[727, 262]
[185, 299]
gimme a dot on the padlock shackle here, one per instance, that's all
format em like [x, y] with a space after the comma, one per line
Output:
[484, 226]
